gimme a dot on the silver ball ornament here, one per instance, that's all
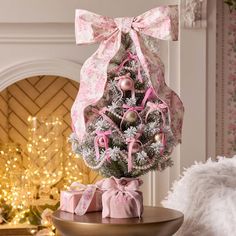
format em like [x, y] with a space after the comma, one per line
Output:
[131, 116]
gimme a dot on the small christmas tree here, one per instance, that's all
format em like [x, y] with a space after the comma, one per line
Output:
[132, 119]
[129, 130]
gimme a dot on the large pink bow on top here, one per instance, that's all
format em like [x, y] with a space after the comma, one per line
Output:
[160, 23]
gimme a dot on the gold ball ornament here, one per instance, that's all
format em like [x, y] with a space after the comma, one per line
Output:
[158, 137]
[131, 116]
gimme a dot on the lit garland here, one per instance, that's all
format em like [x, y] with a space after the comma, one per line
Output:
[21, 197]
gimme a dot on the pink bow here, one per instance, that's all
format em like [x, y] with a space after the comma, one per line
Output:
[161, 107]
[160, 23]
[103, 135]
[129, 186]
[132, 57]
[131, 142]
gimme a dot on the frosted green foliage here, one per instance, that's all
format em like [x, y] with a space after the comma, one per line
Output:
[150, 154]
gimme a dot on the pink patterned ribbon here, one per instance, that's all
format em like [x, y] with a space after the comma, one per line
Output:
[87, 196]
[85, 200]
[128, 186]
[103, 136]
[160, 23]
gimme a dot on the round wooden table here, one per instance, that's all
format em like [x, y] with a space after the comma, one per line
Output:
[156, 221]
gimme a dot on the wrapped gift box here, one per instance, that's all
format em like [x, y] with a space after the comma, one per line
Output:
[70, 199]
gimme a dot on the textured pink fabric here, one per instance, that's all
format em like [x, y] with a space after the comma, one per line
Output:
[121, 198]
[69, 201]
[160, 23]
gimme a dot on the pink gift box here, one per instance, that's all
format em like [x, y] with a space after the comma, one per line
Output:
[121, 198]
[69, 200]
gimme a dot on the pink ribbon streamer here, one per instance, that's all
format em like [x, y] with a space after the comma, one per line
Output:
[103, 135]
[131, 108]
[127, 186]
[160, 23]
[131, 142]
[132, 57]
[147, 95]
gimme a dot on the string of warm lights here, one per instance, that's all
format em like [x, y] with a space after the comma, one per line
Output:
[36, 177]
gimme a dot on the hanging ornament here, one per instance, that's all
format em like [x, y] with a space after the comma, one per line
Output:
[126, 83]
[101, 142]
[131, 116]
[136, 147]
[158, 137]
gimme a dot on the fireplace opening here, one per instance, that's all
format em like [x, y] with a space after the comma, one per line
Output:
[35, 157]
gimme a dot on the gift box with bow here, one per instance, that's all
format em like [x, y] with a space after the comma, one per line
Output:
[80, 199]
[122, 198]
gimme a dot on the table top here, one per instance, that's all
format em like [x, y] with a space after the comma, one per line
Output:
[150, 215]
[155, 221]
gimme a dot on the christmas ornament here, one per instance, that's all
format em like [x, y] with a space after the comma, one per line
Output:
[136, 147]
[131, 116]
[126, 83]
[158, 137]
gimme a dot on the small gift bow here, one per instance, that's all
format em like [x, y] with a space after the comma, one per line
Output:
[128, 186]
[160, 23]
[87, 196]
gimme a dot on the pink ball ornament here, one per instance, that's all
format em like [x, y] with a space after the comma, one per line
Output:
[136, 147]
[126, 84]
[101, 142]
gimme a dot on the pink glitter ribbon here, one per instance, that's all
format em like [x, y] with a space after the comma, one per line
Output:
[131, 142]
[160, 23]
[102, 135]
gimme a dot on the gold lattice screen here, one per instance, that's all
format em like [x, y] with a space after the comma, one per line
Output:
[36, 96]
